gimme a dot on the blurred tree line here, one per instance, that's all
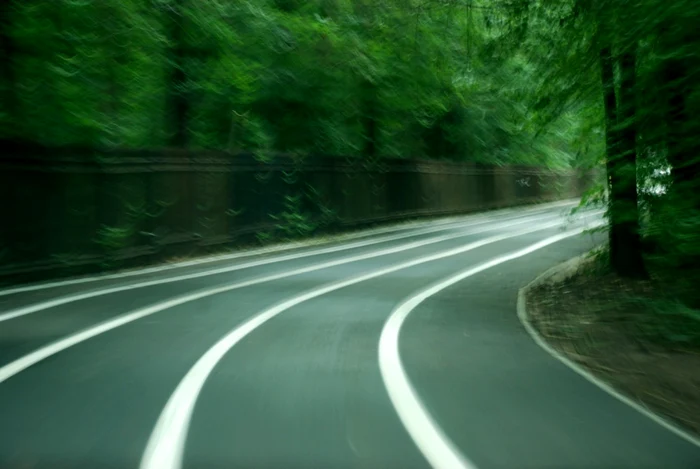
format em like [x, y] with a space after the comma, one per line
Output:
[553, 83]
[352, 78]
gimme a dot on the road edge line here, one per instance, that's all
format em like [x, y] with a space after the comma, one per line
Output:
[62, 300]
[435, 446]
[521, 311]
[276, 248]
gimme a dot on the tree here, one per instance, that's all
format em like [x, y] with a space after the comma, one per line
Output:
[621, 165]
[570, 43]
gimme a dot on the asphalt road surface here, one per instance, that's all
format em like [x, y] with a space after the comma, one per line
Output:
[397, 348]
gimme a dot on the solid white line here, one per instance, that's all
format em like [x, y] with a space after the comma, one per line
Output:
[105, 291]
[38, 355]
[167, 442]
[440, 224]
[437, 448]
[639, 407]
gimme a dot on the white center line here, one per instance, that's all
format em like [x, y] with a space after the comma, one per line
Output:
[166, 445]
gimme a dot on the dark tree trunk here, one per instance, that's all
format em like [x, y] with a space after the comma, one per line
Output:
[621, 164]
[610, 105]
[7, 70]
[178, 102]
[682, 139]
[370, 120]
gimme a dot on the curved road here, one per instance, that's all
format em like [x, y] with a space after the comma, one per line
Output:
[394, 348]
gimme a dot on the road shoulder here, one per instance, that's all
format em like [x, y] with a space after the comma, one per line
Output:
[502, 399]
[594, 323]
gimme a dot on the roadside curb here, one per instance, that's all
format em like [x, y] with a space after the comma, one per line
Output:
[279, 247]
[560, 273]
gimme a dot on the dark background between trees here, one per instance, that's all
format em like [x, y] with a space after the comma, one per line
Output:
[83, 211]
[559, 85]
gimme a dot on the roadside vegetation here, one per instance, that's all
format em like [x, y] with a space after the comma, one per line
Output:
[354, 79]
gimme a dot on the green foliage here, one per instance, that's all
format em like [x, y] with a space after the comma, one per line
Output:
[671, 322]
[111, 239]
[389, 78]
[83, 73]
[328, 217]
[293, 222]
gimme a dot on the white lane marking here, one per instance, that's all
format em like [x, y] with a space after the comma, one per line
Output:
[167, 442]
[42, 353]
[105, 291]
[522, 315]
[437, 448]
[456, 221]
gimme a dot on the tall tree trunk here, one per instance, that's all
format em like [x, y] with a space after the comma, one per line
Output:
[8, 83]
[621, 164]
[610, 106]
[682, 143]
[369, 91]
[683, 154]
[178, 102]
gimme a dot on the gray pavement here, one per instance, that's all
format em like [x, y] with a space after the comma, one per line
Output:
[304, 389]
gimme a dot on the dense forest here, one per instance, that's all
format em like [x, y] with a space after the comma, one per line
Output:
[333, 77]
[553, 83]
